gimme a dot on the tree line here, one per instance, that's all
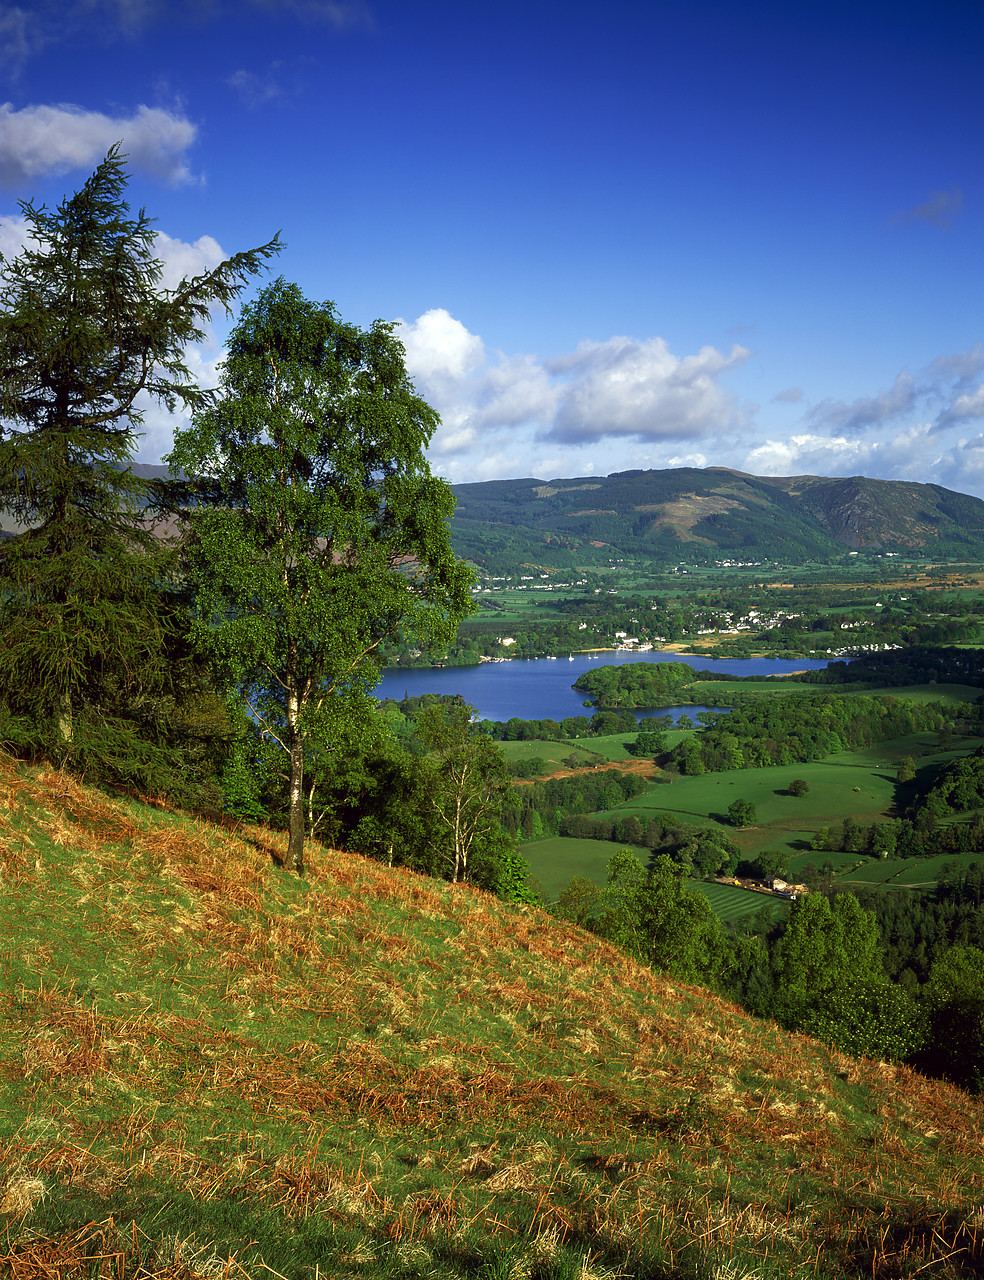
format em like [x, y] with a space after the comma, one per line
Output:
[887, 976]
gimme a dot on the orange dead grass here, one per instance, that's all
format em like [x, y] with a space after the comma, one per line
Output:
[425, 1013]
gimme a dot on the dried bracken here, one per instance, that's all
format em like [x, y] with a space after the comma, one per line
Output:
[422, 1066]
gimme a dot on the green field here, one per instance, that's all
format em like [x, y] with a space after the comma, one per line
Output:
[611, 747]
[554, 862]
[837, 790]
[729, 903]
[930, 692]
[858, 784]
[555, 752]
[902, 873]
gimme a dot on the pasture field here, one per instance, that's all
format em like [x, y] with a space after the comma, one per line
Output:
[924, 748]
[554, 752]
[611, 747]
[903, 873]
[837, 790]
[930, 692]
[839, 860]
[556, 860]
[708, 690]
[729, 903]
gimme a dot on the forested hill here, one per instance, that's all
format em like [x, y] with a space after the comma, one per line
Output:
[690, 513]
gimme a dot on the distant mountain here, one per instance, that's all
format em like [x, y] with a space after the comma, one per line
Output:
[690, 513]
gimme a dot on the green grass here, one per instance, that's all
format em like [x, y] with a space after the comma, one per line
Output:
[589, 751]
[210, 1067]
[837, 790]
[903, 873]
[730, 903]
[553, 752]
[930, 692]
[555, 861]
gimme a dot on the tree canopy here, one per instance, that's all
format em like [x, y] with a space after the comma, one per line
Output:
[89, 659]
[317, 529]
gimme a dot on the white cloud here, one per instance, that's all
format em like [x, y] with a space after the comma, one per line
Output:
[440, 348]
[963, 408]
[505, 414]
[257, 90]
[181, 259]
[41, 140]
[13, 236]
[178, 258]
[961, 365]
[156, 436]
[18, 37]
[909, 455]
[622, 387]
[867, 411]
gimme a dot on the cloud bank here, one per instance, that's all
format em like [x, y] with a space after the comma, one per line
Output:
[499, 411]
[39, 141]
[623, 403]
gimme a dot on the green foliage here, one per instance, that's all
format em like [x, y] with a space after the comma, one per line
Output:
[741, 813]
[638, 684]
[468, 791]
[317, 530]
[770, 863]
[649, 742]
[954, 1002]
[760, 732]
[867, 1019]
[799, 787]
[825, 949]
[653, 916]
[94, 657]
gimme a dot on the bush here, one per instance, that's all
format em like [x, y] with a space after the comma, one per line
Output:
[741, 813]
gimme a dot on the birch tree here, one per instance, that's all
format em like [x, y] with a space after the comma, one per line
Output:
[317, 530]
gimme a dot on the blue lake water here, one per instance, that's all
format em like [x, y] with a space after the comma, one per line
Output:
[540, 688]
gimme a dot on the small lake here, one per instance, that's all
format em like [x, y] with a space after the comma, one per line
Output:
[540, 688]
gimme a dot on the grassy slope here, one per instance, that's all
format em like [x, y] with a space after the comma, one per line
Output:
[208, 1066]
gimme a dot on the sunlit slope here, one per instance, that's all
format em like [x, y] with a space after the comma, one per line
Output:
[371, 1073]
[686, 512]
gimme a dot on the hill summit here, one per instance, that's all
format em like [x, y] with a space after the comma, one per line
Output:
[209, 1066]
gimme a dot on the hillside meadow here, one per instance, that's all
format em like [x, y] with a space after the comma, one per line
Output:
[209, 1067]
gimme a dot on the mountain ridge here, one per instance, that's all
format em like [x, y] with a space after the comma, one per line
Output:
[690, 512]
[704, 513]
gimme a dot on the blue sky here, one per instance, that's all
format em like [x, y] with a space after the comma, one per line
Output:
[658, 234]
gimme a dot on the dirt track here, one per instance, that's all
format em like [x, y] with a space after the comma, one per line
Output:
[644, 768]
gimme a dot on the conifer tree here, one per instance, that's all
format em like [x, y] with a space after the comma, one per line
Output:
[91, 644]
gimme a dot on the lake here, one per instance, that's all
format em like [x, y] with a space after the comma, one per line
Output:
[540, 688]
